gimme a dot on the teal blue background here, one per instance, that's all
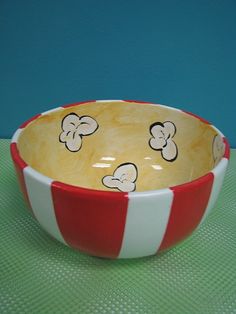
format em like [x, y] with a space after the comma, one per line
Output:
[179, 53]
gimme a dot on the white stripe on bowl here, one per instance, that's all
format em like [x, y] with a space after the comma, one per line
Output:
[217, 130]
[146, 222]
[51, 110]
[40, 197]
[16, 135]
[107, 100]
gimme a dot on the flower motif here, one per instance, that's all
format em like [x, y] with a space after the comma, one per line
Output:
[123, 178]
[162, 139]
[73, 128]
[218, 148]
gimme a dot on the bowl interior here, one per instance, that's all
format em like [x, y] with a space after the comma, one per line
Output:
[120, 146]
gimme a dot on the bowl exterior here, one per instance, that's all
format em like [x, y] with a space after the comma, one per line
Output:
[118, 224]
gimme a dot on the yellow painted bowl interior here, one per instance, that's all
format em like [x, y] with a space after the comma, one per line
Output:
[122, 136]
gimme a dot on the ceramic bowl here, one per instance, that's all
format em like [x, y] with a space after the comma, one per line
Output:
[119, 179]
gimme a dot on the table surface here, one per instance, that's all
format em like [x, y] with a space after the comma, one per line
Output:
[40, 275]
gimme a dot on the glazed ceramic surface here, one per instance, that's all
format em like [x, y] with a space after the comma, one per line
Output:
[119, 178]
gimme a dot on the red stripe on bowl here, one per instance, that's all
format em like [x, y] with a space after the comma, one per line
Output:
[196, 116]
[189, 204]
[78, 103]
[138, 101]
[227, 148]
[23, 125]
[89, 220]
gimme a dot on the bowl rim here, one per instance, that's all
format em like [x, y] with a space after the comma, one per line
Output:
[97, 192]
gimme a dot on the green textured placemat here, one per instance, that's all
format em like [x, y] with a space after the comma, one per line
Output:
[40, 275]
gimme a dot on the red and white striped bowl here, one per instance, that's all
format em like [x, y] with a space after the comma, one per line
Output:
[111, 223]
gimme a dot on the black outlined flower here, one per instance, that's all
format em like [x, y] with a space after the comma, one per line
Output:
[218, 148]
[162, 139]
[74, 128]
[123, 178]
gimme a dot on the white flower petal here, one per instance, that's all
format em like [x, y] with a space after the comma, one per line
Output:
[126, 172]
[169, 128]
[110, 181]
[218, 148]
[63, 136]
[73, 141]
[156, 129]
[157, 143]
[87, 125]
[70, 122]
[126, 186]
[169, 152]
